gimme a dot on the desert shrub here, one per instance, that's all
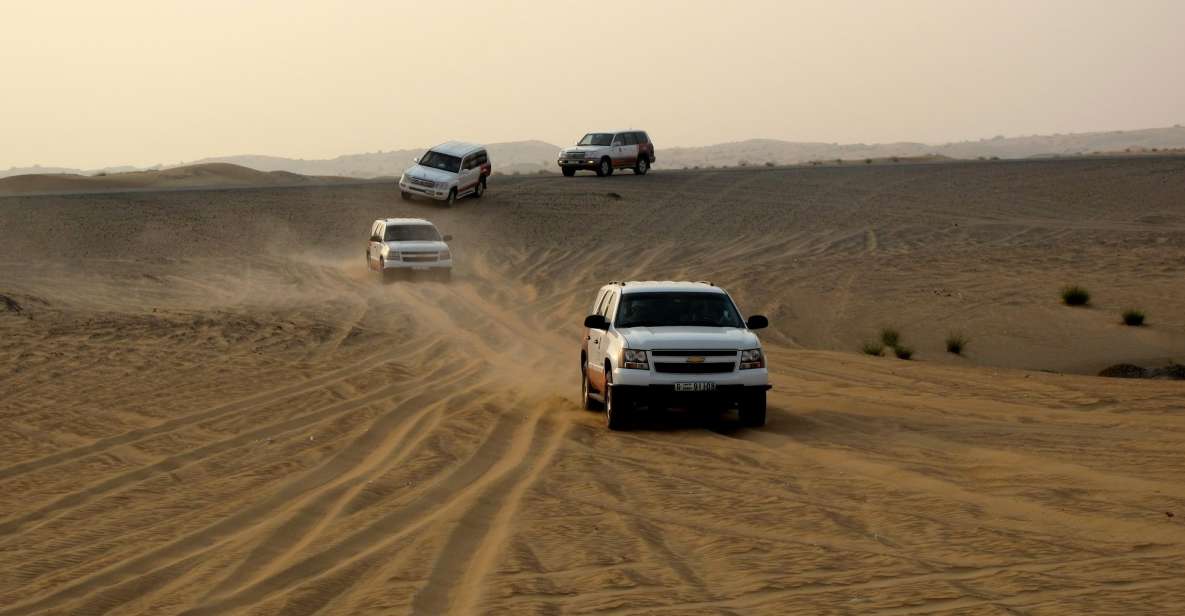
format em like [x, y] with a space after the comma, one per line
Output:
[769, 163]
[873, 348]
[903, 352]
[867, 161]
[1074, 295]
[955, 343]
[543, 172]
[890, 337]
[995, 158]
[1133, 317]
[896, 160]
[839, 161]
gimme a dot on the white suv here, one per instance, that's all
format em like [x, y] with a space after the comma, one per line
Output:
[604, 152]
[406, 245]
[653, 343]
[448, 172]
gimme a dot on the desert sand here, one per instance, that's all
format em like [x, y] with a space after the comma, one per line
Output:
[209, 406]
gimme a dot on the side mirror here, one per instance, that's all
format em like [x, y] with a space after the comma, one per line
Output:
[596, 321]
[416, 160]
[757, 322]
[447, 238]
[375, 238]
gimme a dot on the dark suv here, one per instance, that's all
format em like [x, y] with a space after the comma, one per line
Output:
[604, 152]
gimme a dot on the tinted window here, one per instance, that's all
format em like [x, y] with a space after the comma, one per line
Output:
[677, 309]
[630, 138]
[604, 309]
[411, 233]
[642, 138]
[597, 139]
[444, 162]
[619, 139]
[482, 158]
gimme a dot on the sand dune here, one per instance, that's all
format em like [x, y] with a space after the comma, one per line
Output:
[209, 406]
[206, 175]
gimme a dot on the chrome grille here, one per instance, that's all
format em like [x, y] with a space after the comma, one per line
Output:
[421, 181]
[708, 368]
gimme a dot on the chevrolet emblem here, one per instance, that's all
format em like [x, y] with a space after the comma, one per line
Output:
[695, 359]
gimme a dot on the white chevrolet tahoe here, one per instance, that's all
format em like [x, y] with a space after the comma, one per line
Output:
[649, 344]
[405, 245]
[604, 152]
[448, 172]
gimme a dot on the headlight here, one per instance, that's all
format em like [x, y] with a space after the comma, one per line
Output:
[444, 255]
[752, 359]
[442, 184]
[634, 360]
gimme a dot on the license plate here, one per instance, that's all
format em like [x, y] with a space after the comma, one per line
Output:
[695, 387]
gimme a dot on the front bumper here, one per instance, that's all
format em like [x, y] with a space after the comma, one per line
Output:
[654, 396]
[758, 377]
[579, 163]
[440, 194]
[418, 265]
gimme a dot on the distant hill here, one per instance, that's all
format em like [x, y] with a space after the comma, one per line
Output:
[522, 156]
[759, 151]
[533, 156]
[207, 175]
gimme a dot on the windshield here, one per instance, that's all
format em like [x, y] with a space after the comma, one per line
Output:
[412, 233]
[675, 309]
[444, 162]
[597, 139]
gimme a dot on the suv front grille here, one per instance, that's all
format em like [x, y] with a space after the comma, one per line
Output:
[695, 352]
[420, 256]
[421, 181]
[709, 368]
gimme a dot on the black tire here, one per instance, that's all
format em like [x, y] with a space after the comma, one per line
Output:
[617, 405]
[752, 411]
[642, 166]
[586, 401]
[452, 198]
[480, 189]
[568, 171]
[406, 196]
[605, 167]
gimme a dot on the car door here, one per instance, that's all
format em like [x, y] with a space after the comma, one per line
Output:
[617, 150]
[629, 151]
[469, 174]
[597, 342]
[374, 248]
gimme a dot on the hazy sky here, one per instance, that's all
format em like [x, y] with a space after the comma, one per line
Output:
[140, 82]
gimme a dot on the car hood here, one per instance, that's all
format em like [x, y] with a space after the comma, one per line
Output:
[692, 338]
[417, 246]
[586, 148]
[429, 173]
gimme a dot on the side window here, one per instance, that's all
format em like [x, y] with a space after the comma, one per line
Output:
[482, 158]
[610, 303]
[467, 164]
[596, 307]
[619, 139]
[604, 309]
[377, 230]
[631, 138]
[642, 138]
